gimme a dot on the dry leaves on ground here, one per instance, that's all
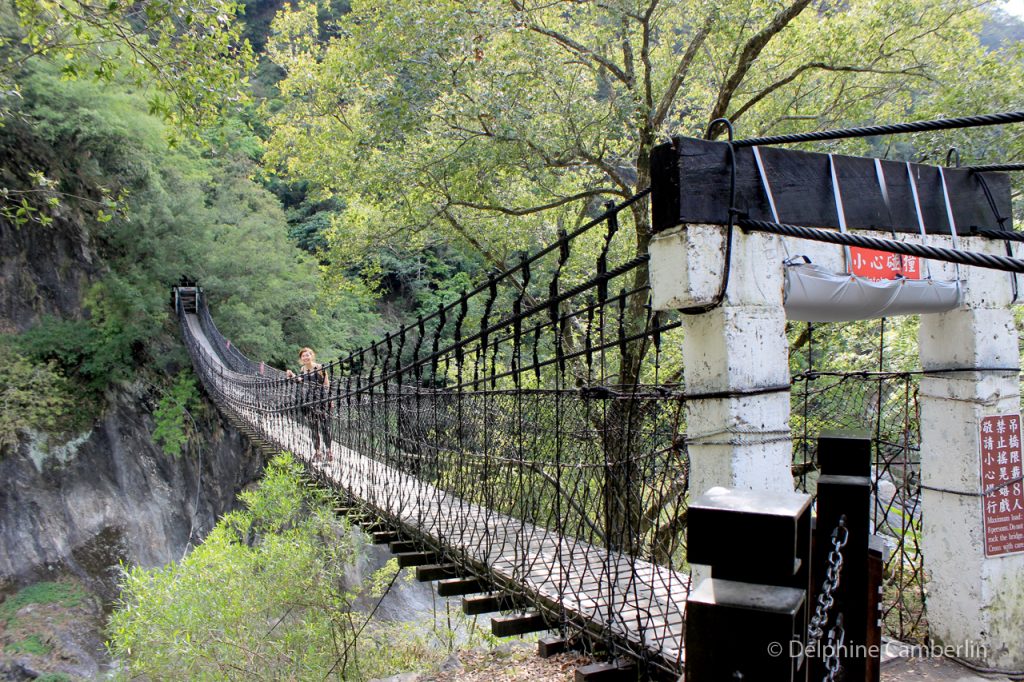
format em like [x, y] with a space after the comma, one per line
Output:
[506, 663]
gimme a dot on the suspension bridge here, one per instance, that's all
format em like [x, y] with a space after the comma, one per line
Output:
[537, 443]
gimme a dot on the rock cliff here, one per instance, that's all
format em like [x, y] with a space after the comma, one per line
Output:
[111, 495]
[75, 507]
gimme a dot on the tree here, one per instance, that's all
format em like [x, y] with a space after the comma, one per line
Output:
[188, 54]
[32, 396]
[493, 124]
[267, 596]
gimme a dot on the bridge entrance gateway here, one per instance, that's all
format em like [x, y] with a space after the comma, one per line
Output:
[539, 446]
[739, 287]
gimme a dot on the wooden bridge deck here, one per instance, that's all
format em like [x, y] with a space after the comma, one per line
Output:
[637, 601]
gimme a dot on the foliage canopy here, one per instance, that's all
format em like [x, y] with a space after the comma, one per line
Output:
[189, 55]
[493, 124]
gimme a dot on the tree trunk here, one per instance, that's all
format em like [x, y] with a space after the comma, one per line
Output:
[624, 498]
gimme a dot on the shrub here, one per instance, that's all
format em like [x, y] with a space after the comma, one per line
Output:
[33, 395]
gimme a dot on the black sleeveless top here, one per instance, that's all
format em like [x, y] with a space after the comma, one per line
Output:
[313, 389]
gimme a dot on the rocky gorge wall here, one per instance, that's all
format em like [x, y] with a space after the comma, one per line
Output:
[111, 495]
[75, 507]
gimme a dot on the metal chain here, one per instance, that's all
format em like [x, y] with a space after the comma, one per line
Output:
[816, 628]
[836, 637]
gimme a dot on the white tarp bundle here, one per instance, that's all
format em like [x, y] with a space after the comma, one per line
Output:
[813, 294]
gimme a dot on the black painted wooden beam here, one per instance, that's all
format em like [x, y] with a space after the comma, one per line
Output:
[406, 559]
[454, 587]
[551, 646]
[384, 537]
[400, 546]
[617, 671]
[844, 453]
[691, 179]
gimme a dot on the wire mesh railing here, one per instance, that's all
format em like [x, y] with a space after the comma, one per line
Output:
[532, 430]
[885, 404]
[523, 430]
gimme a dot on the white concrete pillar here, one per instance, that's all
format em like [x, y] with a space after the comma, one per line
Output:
[736, 437]
[974, 602]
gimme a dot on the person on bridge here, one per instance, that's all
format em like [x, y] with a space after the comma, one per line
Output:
[314, 400]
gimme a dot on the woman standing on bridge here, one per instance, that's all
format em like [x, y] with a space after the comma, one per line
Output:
[314, 400]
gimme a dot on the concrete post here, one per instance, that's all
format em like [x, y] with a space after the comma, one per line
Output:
[974, 603]
[736, 354]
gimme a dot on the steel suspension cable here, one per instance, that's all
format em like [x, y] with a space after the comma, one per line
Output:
[981, 260]
[612, 209]
[890, 129]
[996, 167]
[1005, 235]
[437, 354]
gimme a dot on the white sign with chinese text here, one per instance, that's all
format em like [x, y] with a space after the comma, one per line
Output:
[1001, 484]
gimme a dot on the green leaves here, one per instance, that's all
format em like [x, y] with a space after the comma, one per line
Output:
[190, 54]
[264, 597]
[175, 423]
[33, 395]
[476, 122]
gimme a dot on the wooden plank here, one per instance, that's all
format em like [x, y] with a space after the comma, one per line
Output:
[431, 572]
[384, 537]
[506, 626]
[406, 559]
[618, 671]
[551, 646]
[455, 587]
[402, 546]
[487, 603]
[691, 185]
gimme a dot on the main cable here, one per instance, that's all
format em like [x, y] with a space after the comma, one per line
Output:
[981, 260]
[890, 129]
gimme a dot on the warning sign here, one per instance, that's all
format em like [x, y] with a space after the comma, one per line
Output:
[1003, 502]
[873, 264]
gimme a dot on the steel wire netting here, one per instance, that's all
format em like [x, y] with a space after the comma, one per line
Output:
[533, 431]
[885, 406]
[526, 430]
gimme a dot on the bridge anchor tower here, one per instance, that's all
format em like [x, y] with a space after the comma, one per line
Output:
[718, 256]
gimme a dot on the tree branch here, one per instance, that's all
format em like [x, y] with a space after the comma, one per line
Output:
[750, 52]
[627, 54]
[645, 54]
[682, 69]
[821, 66]
[574, 47]
[609, 170]
[488, 255]
[537, 209]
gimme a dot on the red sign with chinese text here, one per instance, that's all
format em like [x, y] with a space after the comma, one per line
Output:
[1003, 505]
[874, 264]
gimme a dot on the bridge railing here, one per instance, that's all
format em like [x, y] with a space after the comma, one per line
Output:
[539, 409]
[534, 429]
